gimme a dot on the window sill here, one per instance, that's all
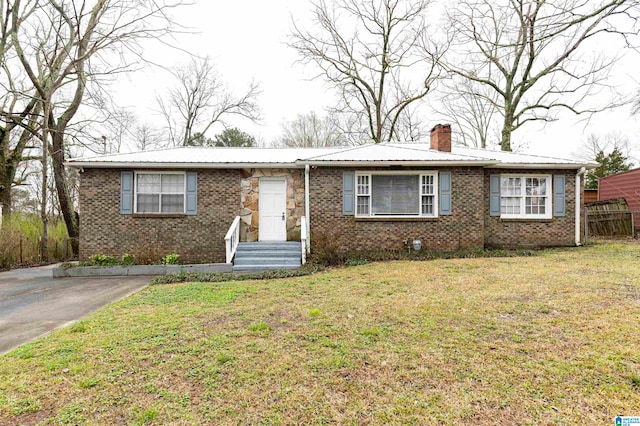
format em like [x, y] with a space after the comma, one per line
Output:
[396, 219]
[526, 219]
[159, 215]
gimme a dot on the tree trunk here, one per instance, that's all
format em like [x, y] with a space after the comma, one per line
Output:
[6, 179]
[505, 140]
[44, 241]
[64, 198]
[6, 174]
[5, 198]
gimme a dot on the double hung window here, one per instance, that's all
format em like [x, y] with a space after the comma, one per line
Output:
[159, 192]
[525, 196]
[396, 194]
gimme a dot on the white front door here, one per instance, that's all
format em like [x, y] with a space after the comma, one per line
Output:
[272, 205]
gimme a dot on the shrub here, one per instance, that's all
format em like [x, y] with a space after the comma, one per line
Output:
[170, 259]
[128, 259]
[326, 249]
[102, 260]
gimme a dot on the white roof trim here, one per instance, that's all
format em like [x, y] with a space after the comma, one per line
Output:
[423, 163]
[165, 165]
[571, 166]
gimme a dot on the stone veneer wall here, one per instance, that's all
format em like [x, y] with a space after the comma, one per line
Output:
[249, 200]
[198, 238]
[464, 229]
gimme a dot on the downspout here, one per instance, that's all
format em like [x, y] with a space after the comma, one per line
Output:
[307, 207]
[579, 174]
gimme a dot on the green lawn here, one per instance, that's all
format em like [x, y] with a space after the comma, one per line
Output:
[549, 339]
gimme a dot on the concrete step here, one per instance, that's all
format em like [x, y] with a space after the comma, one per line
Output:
[260, 256]
[267, 261]
[269, 252]
[286, 246]
[258, 268]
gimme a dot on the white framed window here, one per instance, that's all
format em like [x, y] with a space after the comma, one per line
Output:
[525, 196]
[396, 194]
[159, 192]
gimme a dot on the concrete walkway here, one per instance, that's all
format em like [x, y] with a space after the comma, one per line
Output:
[33, 304]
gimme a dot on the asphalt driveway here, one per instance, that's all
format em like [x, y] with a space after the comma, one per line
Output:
[33, 304]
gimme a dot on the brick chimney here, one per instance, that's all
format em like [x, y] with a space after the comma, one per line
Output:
[441, 137]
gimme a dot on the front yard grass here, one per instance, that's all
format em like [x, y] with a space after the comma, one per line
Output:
[549, 339]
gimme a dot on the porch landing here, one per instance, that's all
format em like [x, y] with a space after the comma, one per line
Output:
[260, 256]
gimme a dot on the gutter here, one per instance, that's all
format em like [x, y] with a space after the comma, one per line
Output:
[579, 175]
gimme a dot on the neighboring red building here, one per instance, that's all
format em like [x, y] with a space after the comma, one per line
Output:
[623, 185]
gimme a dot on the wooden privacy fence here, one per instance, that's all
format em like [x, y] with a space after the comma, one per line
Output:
[610, 218]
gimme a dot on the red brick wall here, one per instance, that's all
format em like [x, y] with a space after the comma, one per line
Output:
[198, 238]
[524, 233]
[463, 229]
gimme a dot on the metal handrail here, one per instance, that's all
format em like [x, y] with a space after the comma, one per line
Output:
[232, 239]
[303, 238]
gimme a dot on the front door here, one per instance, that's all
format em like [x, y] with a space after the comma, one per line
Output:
[272, 205]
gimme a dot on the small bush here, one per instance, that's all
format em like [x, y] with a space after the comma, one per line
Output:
[326, 249]
[102, 260]
[170, 259]
[128, 259]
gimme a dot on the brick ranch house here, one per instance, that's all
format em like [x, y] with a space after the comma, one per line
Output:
[200, 202]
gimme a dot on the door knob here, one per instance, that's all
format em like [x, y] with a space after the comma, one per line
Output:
[282, 215]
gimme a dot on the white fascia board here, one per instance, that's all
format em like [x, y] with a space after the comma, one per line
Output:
[451, 163]
[134, 165]
[540, 166]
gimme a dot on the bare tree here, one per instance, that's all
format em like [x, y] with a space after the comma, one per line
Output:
[201, 99]
[589, 149]
[534, 54]
[309, 130]
[636, 104]
[65, 45]
[472, 110]
[19, 110]
[120, 128]
[370, 51]
[146, 137]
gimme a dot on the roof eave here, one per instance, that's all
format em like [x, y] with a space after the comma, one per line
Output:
[143, 165]
[428, 163]
[572, 166]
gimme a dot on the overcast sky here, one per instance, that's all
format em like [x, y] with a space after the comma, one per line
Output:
[246, 40]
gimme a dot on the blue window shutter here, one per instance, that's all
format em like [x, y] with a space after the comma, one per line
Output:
[192, 193]
[494, 195]
[126, 192]
[445, 193]
[348, 193]
[559, 195]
